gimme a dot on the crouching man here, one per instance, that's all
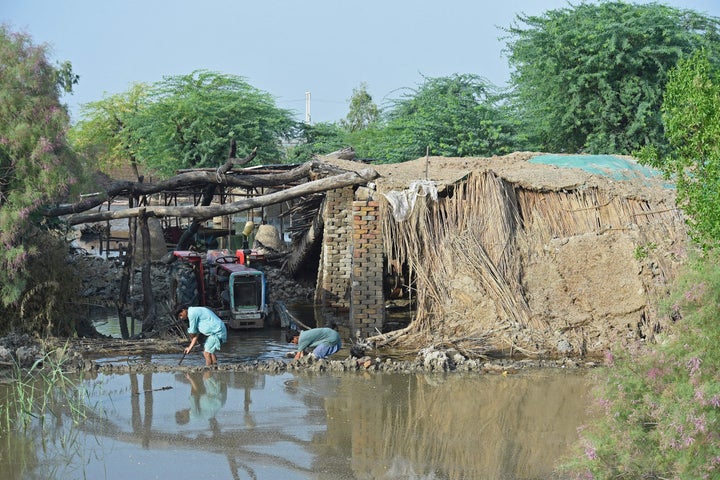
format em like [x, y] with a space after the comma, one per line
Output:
[325, 341]
[203, 320]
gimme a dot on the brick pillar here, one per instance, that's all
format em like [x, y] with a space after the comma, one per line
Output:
[367, 304]
[332, 294]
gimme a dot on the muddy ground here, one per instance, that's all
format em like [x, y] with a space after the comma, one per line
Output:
[80, 355]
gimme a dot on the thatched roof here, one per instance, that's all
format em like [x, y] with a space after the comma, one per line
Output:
[514, 168]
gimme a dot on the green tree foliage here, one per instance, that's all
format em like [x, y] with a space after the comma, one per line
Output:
[590, 78]
[318, 139]
[36, 165]
[660, 412]
[362, 112]
[105, 134]
[189, 121]
[691, 115]
[185, 121]
[454, 116]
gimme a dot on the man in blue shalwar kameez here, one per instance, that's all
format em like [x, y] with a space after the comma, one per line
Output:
[202, 320]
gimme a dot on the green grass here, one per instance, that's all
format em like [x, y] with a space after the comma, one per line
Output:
[40, 392]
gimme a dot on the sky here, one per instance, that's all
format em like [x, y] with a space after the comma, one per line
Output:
[283, 47]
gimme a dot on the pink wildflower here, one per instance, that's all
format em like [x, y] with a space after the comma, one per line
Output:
[700, 424]
[693, 365]
[609, 358]
[695, 292]
[590, 453]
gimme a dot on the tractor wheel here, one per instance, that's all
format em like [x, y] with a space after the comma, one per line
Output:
[183, 285]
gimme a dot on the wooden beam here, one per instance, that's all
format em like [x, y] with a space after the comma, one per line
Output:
[201, 212]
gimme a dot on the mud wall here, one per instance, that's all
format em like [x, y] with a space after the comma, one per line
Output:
[571, 269]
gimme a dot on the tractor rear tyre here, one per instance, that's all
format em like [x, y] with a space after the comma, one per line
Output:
[183, 285]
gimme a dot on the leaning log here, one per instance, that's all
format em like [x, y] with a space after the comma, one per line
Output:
[184, 181]
[200, 212]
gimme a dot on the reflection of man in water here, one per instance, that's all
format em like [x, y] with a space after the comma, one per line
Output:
[207, 397]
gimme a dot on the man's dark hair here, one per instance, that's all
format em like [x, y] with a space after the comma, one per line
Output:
[179, 309]
[290, 334]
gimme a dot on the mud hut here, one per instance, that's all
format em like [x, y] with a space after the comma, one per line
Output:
[507, 254]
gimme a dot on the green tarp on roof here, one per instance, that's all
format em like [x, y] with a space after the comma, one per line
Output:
[612, 166]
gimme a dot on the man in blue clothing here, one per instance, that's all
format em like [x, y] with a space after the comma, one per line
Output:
[202, 320]
[325, 341]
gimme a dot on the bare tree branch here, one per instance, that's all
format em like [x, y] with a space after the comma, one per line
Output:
[183, 181]
[205, 212]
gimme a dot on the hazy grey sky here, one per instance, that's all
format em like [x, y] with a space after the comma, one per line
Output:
[283, 47]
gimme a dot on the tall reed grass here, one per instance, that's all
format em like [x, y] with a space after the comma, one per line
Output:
[41, 392]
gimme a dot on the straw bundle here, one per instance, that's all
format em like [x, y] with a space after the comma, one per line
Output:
[464, 242]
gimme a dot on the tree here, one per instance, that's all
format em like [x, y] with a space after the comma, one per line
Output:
[105, 133]
[590, 78]
[460, 115]
[318, 139]
[37, 168]
[189, 121]
[363, 111]
[691, 115]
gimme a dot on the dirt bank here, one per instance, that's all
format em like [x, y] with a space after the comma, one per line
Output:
[88, 355]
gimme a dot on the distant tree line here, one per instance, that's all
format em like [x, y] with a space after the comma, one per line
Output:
[588, 78]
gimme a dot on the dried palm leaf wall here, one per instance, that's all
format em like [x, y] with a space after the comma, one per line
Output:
[461, 253]
[470, 250]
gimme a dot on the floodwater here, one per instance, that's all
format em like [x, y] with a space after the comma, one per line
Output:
[302, 425]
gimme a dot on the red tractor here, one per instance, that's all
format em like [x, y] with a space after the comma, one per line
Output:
[221, 281]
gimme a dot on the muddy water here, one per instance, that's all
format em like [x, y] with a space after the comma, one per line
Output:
[307, 426]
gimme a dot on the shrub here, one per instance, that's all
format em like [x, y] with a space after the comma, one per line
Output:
[660, 405]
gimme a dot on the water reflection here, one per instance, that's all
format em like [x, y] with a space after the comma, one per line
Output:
[322, 426]
[207, 397]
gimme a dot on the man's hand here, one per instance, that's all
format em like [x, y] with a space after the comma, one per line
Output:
[193, 341]
[299, 355]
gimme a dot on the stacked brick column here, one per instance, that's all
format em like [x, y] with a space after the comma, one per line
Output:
[367, 305]
[350, 280]
[332, 295]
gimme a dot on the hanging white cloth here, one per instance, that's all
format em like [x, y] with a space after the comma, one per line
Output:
[403, 201]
